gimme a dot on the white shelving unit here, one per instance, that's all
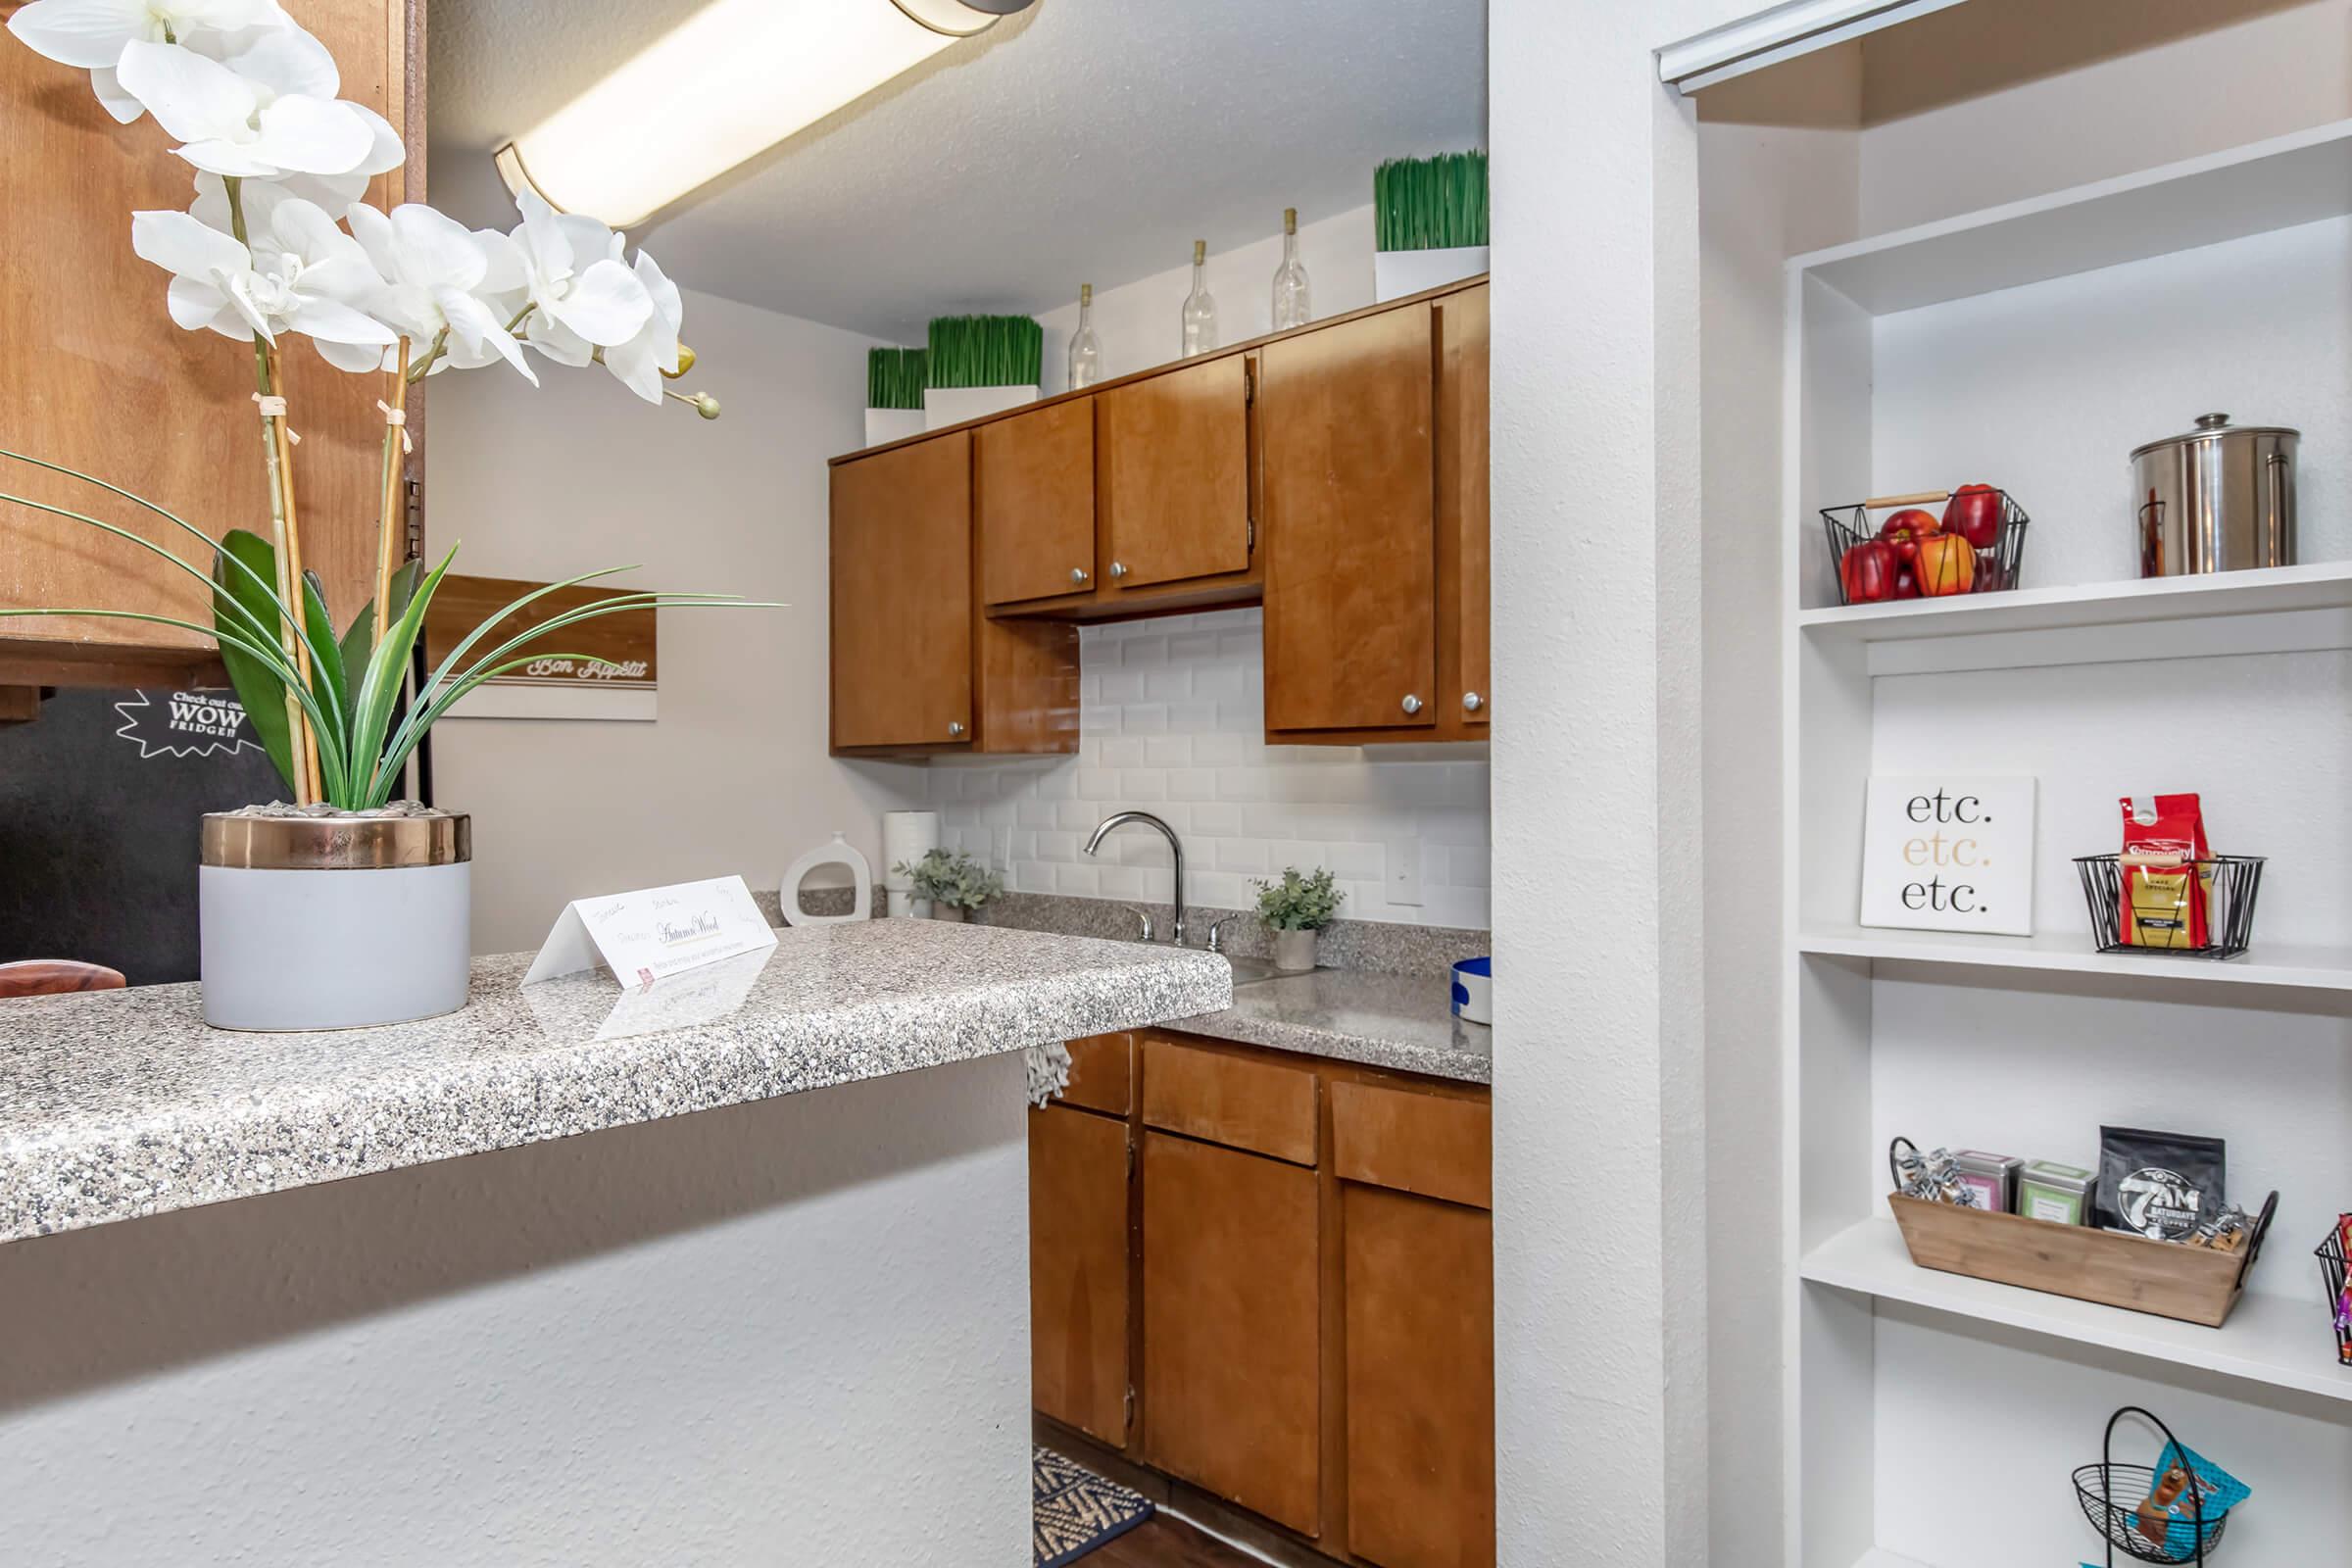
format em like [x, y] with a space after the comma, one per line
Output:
[2015, 346]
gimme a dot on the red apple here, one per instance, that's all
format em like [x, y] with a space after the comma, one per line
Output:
[1975, 514]
[1906, 528]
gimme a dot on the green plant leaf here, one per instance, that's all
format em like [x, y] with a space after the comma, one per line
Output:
[359, 643]
[257, 685]
[329, 681]
[379, 688]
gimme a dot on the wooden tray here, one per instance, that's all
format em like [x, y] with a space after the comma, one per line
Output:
[2193, 1284]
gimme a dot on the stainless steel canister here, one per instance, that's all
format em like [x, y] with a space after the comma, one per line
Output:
[2221, 498]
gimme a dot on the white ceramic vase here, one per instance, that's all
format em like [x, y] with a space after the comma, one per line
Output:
[1294, 951]
[334, 922]
[943, 406]
[1397, 274]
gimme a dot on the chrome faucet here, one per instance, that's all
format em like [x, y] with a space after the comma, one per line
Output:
[1175, 846]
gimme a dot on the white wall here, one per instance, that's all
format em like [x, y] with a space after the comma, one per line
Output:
[1140, 324]
[713, 1342]
[578, 474]
[1172, 721]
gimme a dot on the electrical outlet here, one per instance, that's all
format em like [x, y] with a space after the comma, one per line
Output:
[1405, 870]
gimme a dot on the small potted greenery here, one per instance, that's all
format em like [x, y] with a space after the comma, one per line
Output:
[951, 881]
[1295, 909]
[1429, 219]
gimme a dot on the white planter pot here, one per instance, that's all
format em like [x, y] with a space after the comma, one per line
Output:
[1397, 274]
[1294, 951]
[943, 406]
[892, 425]
[333, 922]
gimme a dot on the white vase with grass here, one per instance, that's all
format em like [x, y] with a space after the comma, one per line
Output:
[1295, 909]
[894, 394]
[1429, 218]
[981, 364]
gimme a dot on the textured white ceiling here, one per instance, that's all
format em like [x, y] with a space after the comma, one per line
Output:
[1085, 139]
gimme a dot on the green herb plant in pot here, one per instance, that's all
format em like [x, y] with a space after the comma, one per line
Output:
[343, 907]
[953, 882]
[1297, 908]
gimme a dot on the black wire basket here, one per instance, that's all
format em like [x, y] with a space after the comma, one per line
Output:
[2097, 1487]
[2229, 886]
[1997, 567]
[2332, 1264]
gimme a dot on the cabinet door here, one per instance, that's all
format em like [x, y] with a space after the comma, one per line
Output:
[1465, 581]
[1175, 463]
[1344, 414]
[1420, 1380]
[1034, 479]
[1231, 1307]
[96, 376]
[902, 595]
[1078, 1270]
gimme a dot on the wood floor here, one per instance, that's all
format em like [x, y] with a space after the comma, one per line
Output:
[1165, 1542]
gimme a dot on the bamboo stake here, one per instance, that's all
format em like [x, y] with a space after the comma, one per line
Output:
[290, 548]
[396, 442]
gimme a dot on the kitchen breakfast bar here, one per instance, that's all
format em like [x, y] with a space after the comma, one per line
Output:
[733, 1270]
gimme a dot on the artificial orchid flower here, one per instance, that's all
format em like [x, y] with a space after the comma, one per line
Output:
[92, 33]
[265, 109]
[301, 274]
[644, 359]
[582, 297]
[432, 279]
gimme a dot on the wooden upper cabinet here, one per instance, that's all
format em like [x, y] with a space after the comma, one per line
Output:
[98, 379]
[1344, 414]
[1034, 485]
[1173, 467]
[1232, 1315]
[1078, 1270]
[1465, 582]
[902, 596]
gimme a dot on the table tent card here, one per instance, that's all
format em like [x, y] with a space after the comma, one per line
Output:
[1948, 851]
[644, 935]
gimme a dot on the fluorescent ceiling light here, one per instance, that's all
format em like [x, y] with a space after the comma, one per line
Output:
[733, 80]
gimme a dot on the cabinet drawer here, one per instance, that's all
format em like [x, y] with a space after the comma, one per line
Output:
[1220, 1098]
[1436, 1146]
[1101, 1074]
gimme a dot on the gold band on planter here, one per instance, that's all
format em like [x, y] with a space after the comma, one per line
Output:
[336, 842]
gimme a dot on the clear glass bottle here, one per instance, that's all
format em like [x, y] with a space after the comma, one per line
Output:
[1199, 310]
[1290, 307]
[1086, 349]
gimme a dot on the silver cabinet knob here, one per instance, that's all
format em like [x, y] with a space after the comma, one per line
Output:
[1472, 701]
[1080, 575]
[1412, 704]
[955, 729]
[1118, 568]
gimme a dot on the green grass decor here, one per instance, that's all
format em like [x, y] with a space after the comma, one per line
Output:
[986, 351]
[1429, 204]
[894, 378]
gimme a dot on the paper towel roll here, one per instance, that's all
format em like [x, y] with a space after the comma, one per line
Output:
[907, 837]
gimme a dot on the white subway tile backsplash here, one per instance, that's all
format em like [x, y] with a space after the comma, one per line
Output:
[1172, 720]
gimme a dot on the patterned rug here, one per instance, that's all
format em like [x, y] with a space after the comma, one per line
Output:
[1073, 1510]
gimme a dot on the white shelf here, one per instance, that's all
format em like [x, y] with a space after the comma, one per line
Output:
[2306, 968]
[1881, 1558]
[2253, 189]
[2092, 611]
[2280, 1339]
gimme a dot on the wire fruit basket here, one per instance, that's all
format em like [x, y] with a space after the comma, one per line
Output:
[2229, 884]
[2098, 1486]
[1998, 565]
[2332, 1265]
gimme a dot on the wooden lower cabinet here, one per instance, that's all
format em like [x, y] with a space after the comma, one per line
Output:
[1420, 1382]
[1232, 1312]
[1306, 1313]
[1079, 1252]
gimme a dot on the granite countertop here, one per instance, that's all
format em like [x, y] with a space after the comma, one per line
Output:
[116, 1104]
[1404, 1022]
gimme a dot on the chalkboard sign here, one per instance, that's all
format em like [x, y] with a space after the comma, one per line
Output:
[99, 801]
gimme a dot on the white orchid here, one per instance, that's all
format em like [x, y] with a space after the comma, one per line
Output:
[582, 297]
[301, 274]
[265, 109]
[92, 33]
[436, 278]
[653, 354]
